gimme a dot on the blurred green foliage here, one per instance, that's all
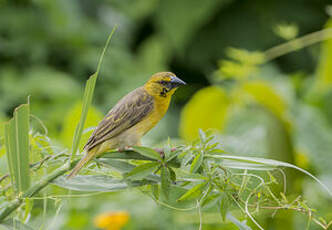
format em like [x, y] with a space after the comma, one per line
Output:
[281, 109]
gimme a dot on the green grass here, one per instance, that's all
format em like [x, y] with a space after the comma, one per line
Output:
[17, 148]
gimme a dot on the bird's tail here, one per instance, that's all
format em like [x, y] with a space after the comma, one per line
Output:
[88, 156]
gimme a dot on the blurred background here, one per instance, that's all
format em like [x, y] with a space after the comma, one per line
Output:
[274, 103]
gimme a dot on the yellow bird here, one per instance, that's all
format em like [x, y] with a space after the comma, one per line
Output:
[132, 117]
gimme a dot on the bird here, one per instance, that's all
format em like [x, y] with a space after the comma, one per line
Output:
[131, 118]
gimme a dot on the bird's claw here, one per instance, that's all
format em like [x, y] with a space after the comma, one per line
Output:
[162, 152]
[124, 149]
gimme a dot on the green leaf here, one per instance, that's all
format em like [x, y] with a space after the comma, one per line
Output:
[286, 31]
[28, 207]
[245, 57]
[198, 160]
[17, 148]
[186, 159]
[91, 183]
[15, 225]
[118, 165]
[142, 171]
[96, 183]
[172, 174]
[207, 109]
[263, 93]
[202, 135]
[210, 200]
[165, 181]
[155, 191]
[167, 149]
[87, 99]
[191, 177]
[169, 154]
[246, 165]
[224, 205]
[147, 152]
[172, 155]
[206, 195]
[127, 155]
[193, 192]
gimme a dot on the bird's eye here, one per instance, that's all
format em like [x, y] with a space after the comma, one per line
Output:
[163, 82]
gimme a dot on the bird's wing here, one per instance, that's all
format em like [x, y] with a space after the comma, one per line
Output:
[130, 110]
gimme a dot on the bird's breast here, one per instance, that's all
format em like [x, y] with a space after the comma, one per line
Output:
[160, 107]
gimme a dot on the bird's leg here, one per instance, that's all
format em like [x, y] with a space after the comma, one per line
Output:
[159, 150]
[162, 152]
[124, 149]
[128, 148]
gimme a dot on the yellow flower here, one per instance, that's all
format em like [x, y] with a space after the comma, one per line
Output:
[111, 220]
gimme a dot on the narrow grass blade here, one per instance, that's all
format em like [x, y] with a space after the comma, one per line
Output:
[143, 170]
[17, 148]
[193, 192]
[87, 99]
[245, 165]
[198, 160]
[147, 152]
[15, 224]
[94, 183]
[91, 183]
[165, 182]
[270, 162]
[118, 165]
[127, 155]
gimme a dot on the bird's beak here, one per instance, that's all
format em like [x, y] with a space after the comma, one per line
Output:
[176, 82]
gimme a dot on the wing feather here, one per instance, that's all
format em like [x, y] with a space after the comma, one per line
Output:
[130, 110]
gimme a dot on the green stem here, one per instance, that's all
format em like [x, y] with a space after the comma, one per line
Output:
[45, 181]
[297, 44]
[12, 206]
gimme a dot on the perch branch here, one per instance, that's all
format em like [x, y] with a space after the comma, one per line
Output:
[13, 205]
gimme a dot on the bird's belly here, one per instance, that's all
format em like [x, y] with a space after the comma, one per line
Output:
[129, 137]
[149, 122]
[125, 139]
[133, 135]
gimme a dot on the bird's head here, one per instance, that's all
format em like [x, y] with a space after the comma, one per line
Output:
[163, 84]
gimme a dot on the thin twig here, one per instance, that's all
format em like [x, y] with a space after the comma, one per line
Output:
[284, 179]
[13, 205]
[247, 210]
[38, 164]
[297, 44]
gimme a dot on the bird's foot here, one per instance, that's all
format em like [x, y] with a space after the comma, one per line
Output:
[162, 152]
[124, 149]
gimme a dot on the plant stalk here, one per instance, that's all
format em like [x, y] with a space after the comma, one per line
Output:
[12, 206]
[15, 204]
[297, 43]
